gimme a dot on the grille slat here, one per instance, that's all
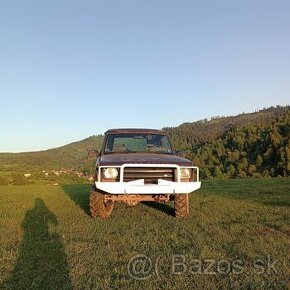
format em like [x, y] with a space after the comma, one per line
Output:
[149, 169]
[149, 174]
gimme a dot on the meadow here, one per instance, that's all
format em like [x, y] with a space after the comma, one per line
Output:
[237, 236]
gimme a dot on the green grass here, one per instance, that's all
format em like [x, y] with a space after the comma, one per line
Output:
[49, 241]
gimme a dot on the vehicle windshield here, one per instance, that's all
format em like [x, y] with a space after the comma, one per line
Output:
[136, 143]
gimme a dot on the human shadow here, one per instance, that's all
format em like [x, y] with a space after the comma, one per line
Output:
[79, 194]
[161, 207]
[42, 262]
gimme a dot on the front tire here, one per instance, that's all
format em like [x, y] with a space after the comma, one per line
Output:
[98, 206]
[181, 205]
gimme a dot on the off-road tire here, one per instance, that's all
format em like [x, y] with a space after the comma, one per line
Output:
[181, 205]
[98, 206]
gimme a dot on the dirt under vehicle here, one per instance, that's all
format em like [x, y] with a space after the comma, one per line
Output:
[141, 165]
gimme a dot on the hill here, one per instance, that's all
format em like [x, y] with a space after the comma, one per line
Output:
[249, 144]
[252, 144]
[74, 155]
[205, 130]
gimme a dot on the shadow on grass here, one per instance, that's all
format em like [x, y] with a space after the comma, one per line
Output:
[42, 262]
[79, 194]
[161, 207]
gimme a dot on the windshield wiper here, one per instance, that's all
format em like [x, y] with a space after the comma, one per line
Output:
[114, 152]
[161, 152]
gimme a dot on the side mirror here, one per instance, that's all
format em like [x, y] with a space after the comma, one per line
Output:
[93, 153]
[180, 152]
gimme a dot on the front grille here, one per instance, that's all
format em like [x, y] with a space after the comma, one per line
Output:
[149, 174]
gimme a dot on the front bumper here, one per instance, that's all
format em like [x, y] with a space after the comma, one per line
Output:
[138, 187]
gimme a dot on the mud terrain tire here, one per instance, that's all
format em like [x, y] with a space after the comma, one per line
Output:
[98, 206]
[181, 205]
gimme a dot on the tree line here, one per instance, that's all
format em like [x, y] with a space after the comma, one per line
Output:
[256, 144]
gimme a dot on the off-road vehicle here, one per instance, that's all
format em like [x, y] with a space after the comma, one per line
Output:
[141, 165]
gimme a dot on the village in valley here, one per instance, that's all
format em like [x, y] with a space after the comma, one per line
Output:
[58, 175]
[46, 176]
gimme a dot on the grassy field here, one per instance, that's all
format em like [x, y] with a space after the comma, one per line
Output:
[237, 236]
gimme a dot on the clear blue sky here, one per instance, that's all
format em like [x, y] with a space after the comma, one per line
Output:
[71, 69]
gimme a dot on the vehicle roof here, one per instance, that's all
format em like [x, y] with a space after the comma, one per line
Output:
[135, 130]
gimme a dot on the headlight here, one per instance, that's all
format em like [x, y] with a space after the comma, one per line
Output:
[185, 173]
[110, 173]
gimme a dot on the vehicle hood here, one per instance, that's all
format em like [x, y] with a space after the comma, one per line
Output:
[145, 158]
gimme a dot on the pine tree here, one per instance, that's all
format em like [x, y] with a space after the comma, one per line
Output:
[232, 170]
[217, 172]
[259, 160]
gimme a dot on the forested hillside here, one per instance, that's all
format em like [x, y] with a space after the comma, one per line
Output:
[255, 144]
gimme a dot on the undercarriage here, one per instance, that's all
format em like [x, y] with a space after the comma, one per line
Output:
[135, 198]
